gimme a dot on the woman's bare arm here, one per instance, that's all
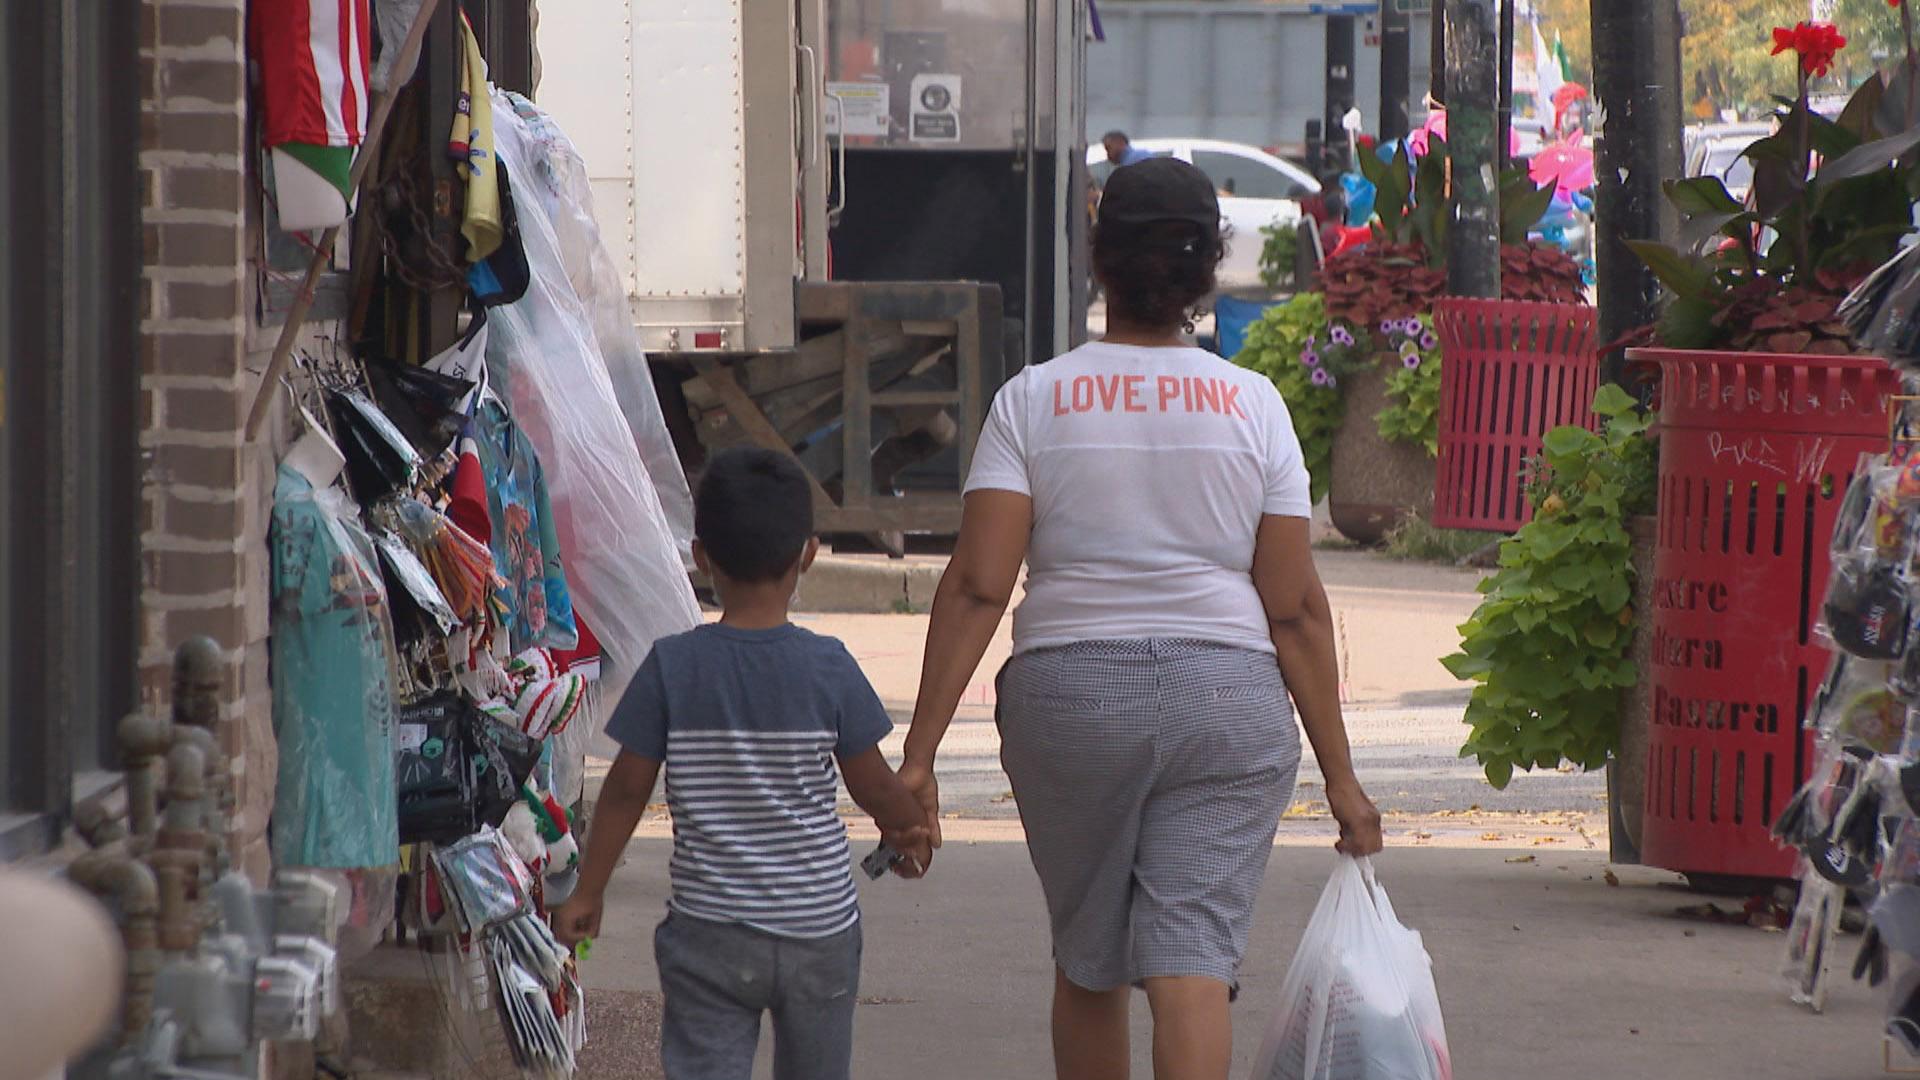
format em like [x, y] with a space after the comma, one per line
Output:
[1301, 623]
[967, 608]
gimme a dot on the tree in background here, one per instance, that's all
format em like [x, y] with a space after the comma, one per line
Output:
[1873, 31]
[1727, 65]
[1573, 21]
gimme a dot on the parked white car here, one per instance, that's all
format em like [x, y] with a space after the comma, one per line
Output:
[1256, 190]
[1719, 149]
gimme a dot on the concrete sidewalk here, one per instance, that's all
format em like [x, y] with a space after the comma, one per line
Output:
[1544, 969]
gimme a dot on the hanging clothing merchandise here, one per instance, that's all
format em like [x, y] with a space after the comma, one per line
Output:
[502, 277]
[546, 698]
[565, 193]
[526, 546]
[471, 144]
[333, 709]
[544, 359]
[313, 58]
[466, 360]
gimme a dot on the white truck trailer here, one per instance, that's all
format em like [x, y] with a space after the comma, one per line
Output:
[842, 223]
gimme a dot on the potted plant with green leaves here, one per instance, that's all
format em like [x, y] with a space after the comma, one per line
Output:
[1358, 362]
[1765, 406]
[1831, 200]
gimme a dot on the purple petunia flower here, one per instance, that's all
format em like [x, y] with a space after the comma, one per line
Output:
[1411, 360]
[1389, 326]
[1429, 340]
[1310, 358]
[1321, 378]
[1342, 336]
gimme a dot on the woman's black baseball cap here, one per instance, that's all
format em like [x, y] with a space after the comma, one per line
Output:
[1160, 189]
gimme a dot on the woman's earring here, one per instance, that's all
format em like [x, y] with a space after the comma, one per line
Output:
[1186, 324]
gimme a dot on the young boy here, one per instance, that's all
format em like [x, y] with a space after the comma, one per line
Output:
[749, 716]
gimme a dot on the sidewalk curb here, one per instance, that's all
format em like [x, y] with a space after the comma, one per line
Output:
[847, 585]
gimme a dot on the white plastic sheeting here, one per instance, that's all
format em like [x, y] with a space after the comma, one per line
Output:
[567, 196]
[545, 359]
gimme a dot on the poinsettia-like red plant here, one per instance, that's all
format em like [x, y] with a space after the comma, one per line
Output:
[1816, 43]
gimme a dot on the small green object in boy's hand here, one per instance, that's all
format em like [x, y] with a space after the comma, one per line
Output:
[583, 949]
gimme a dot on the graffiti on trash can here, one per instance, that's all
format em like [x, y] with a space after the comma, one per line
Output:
[1809, 455]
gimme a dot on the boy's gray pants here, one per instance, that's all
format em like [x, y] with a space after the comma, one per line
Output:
[718, 978]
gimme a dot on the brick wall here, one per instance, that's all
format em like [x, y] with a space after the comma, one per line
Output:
[206, 493]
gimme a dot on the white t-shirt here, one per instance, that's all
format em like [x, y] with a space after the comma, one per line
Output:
[1149, 470]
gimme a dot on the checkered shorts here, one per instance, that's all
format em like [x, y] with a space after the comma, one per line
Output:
[1151, 776]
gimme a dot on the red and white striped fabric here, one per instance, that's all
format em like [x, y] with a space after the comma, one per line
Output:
[313, 58]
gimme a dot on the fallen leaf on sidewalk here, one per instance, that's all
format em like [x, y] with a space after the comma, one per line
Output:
[1492, 837]
[1760, 913]
[1004, 797]
[1423, 836]
[1539, 840]
[1612, 879]
[1519, 858]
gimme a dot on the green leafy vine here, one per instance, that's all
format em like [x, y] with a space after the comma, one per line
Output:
[1413, 385]
[1549, 647]
[1279, 249]
[1307, 355]
[1274, 345]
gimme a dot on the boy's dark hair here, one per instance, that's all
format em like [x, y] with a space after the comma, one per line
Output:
[753, 513]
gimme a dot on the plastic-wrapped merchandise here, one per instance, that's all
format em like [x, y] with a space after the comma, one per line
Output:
[1856, 707]
[435, 785]
[1868, 611]
[333, 708]
[622, 559]
[484, 879]
[1856, 508]
[1810, 937]
[567, 195]
[1883, 312]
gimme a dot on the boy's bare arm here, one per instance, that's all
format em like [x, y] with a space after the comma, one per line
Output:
[877, 790]
[623, 800]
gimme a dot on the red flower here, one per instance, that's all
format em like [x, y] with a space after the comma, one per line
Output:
[1816, 44]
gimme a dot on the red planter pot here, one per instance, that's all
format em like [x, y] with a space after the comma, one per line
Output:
[1756, 452]
[1511, 371]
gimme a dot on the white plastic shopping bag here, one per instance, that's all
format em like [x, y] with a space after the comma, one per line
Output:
[1359, 1001]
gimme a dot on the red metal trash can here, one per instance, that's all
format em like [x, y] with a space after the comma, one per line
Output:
[1510, 372]
[1756, 452]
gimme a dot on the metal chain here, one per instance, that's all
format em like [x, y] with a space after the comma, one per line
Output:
[442, 271]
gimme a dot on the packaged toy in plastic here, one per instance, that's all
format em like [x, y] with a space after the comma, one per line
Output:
[484, 880]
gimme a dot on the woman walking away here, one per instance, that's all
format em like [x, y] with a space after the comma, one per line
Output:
[1159, 498]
